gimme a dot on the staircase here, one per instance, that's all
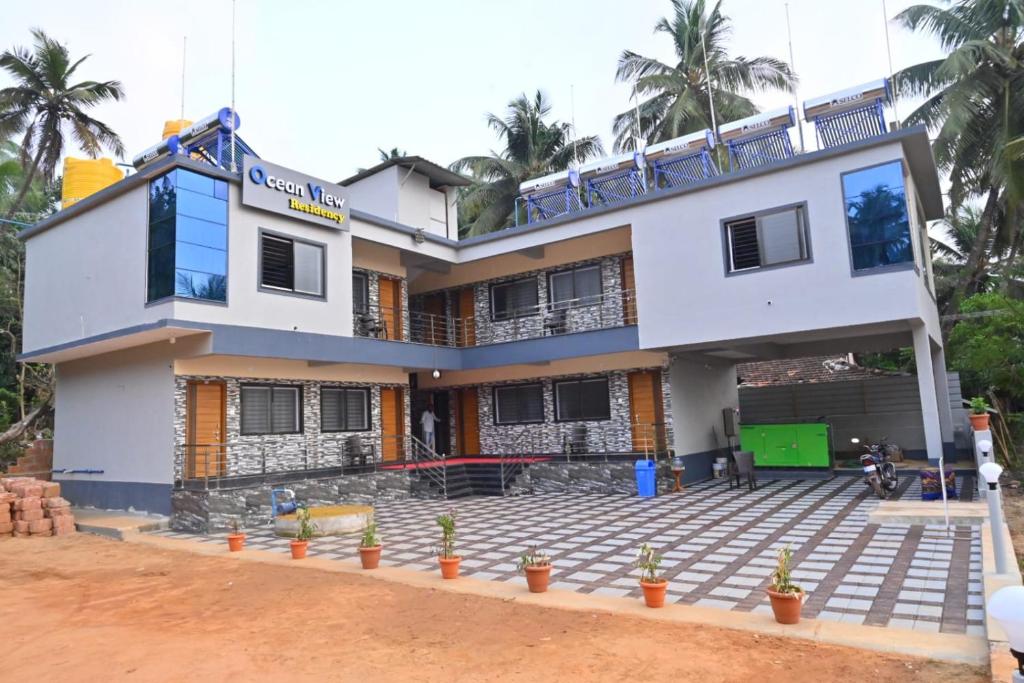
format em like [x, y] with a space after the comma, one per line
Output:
[471, 479]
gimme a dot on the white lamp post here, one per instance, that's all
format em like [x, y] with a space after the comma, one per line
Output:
[990, 471]
[1007, 608]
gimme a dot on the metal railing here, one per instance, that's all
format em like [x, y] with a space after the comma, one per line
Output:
[608, 309]
[213, 465]
[582, 442]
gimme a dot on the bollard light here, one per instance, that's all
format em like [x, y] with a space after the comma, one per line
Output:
[1007, 608]
[991, 471]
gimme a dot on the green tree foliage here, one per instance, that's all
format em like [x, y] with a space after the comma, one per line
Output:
[533, 147]
[987, 346]
[46, 104]
[974, 101]
[674, 98]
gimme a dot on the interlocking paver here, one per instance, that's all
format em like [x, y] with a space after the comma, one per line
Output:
[718, 544]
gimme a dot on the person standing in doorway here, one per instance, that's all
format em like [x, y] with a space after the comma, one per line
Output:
[427, 420]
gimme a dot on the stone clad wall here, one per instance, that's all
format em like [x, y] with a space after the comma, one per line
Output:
[591, 477]
[373, 295]
[603, 436]
[600, 316]
[283, 452]
[215, 510]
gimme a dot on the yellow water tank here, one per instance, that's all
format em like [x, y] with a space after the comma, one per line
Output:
[83, 177]
[175, 127]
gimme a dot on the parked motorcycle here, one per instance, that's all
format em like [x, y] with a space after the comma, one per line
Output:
[879, 471]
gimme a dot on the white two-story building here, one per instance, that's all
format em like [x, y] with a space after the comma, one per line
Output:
[260, 325]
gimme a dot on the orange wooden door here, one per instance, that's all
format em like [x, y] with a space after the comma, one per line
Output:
[628, 292]
[467, 317]
[392, 425]
[435, 325]
[468, 418]
[390, 294]
[646, 411]
[205, 412]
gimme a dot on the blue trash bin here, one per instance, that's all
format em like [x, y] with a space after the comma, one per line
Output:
[645, 483]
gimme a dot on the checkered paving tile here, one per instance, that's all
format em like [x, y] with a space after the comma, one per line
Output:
[718, 544]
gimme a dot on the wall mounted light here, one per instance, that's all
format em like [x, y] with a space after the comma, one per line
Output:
[436, 374]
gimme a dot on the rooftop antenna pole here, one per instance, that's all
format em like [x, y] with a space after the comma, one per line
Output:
[636, 114]
[711, 91]
[792, 67]
[572, 109]
[184, 49]
[234, 168]
[888, 51]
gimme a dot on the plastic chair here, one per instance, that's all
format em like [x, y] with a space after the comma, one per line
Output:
[741, 465]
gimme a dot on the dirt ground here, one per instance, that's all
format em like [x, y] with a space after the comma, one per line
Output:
[82, 608]
[1013, 509]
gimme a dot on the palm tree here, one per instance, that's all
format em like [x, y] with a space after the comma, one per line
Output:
[44, 105]
[674, 99]
[950, 254]
[975, 102]
[533, 148]
[395, 153]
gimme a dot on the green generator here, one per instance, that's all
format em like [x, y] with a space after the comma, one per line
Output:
[787, 445]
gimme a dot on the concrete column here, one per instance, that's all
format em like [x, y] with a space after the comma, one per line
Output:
[926, 388]
[942, 398]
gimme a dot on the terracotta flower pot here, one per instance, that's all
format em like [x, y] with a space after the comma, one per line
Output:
[979, 422]
[449, 567]
[786, 606]
[537, 578]
[370, 557]
[654, 593]
[299, 549]
[235, 542]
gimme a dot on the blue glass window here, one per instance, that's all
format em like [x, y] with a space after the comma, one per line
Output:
[188, 237]
[876, 216]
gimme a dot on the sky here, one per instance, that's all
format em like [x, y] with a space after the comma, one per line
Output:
[320, 84]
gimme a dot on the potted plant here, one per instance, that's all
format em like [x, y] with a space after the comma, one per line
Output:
[979, 413]
[787, 598]
[369, 547]
[306, 530]
[236, 539]
[537, 567]
[446, 556]
[654, 586]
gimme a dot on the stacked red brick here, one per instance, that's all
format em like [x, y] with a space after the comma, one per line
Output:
[31, 507]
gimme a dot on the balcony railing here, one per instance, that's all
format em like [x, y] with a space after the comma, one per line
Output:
[609, 309]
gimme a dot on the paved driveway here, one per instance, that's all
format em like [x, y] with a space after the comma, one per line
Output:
[719, 547]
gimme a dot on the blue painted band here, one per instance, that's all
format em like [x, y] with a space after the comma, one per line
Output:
[117, 495]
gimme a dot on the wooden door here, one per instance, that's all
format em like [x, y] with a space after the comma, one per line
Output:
[628, 292]
[435, 323]
[467, 317]
[205, 412]
[468, 422]
[392, 424]
[390, 294]
[646, 411]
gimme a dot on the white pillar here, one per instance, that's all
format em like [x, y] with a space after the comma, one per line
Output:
[942, 394]
[926, 388]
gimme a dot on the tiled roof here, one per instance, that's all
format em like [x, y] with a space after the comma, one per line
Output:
[811, 370]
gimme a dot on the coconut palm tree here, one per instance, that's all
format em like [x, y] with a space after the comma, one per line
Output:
[44, 105]
[394, 153]
[974, 100]
[533, 148]
[674, 98]
[950, 254]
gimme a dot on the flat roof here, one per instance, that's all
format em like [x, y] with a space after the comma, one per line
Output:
[914, 140]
